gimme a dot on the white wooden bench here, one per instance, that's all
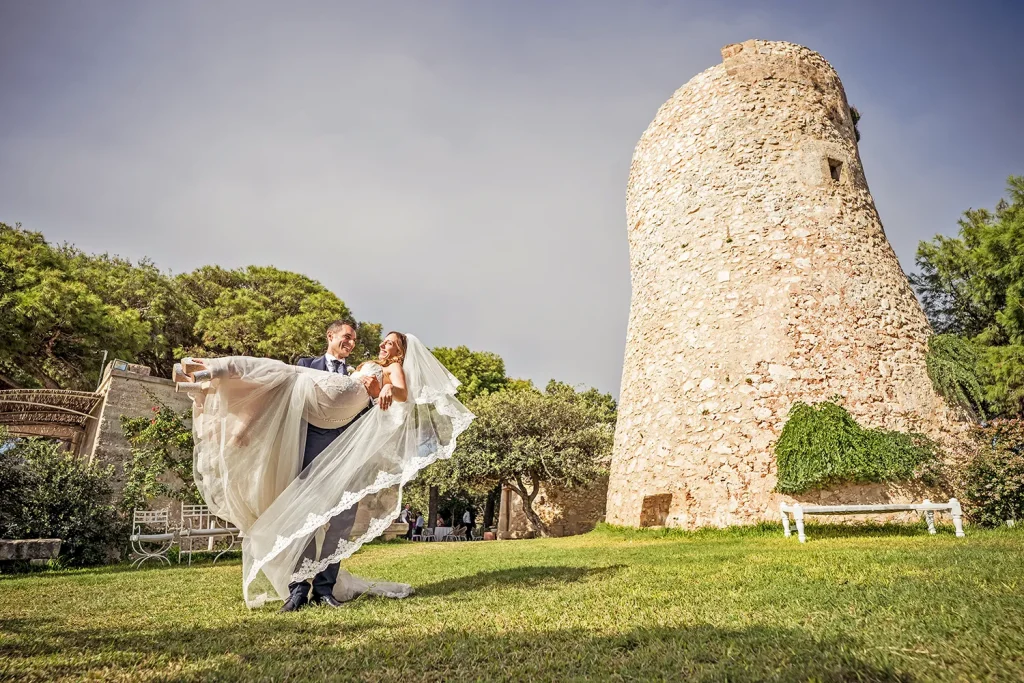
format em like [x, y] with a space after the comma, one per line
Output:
[929, 509]
[197, 524]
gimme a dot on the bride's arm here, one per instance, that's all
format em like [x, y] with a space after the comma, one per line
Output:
[394, 386]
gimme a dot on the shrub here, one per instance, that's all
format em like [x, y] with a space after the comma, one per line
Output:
[993, 478]
[823, 445]
[55, 495]
[161, 444]
[16, 484]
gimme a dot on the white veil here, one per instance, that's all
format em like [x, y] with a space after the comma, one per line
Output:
[279, 512]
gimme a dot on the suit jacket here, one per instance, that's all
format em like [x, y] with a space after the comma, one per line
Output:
[318, 363]
[317, 438]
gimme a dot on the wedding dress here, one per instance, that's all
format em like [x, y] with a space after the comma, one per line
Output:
[249, 425]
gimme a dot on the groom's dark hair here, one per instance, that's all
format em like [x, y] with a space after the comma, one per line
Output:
[338, 324]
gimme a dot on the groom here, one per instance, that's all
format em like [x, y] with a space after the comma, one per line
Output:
[341, 339]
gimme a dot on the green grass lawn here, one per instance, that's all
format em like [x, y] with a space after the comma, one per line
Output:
[850, 605]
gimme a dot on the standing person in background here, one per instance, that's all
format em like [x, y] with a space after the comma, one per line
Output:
[467, 520]
[409, 520]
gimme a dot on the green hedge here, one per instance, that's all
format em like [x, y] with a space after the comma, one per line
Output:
[823, 445]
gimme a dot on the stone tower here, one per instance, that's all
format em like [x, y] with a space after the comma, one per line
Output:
[761, 276]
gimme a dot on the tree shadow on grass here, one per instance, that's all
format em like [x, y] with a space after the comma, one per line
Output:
[516, 577]
[290, 649]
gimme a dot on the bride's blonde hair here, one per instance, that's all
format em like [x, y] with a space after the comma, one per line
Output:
[403, 344]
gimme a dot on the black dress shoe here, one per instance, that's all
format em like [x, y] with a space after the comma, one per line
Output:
[326, 601]
[292, 604]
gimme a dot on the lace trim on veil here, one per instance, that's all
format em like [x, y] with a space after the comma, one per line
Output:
[346, 548]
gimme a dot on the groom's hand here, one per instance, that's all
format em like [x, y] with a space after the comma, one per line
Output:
[372, 386]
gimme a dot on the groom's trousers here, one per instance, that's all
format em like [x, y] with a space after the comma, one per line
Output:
[339, 527]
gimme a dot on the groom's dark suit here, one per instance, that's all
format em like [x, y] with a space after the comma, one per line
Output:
[317, 439]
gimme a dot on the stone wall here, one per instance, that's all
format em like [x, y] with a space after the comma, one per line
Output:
[567, 512]
[761, 276]
[128, 390]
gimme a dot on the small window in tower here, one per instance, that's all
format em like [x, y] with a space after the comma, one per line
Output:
[654, 510]
[835, 169]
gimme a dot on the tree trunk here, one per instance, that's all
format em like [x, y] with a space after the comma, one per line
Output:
[432, 506]
[535, 521]
[528, 497]
[492, 497]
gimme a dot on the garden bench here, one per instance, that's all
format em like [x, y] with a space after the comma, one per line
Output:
[151, 536]
[197, 524]
[927, 507]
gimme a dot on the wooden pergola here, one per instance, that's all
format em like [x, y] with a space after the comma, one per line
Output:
[51, 413]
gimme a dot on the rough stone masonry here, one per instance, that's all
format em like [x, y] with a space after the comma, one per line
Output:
[761, 276]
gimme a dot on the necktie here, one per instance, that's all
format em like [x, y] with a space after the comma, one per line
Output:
[339, 367]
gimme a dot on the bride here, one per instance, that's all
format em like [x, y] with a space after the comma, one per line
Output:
[249, 423]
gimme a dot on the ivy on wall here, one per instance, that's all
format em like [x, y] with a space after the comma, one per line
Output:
[822, 445]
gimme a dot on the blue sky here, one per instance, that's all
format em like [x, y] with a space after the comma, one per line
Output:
[456, 169]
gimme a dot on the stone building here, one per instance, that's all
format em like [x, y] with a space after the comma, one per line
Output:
[130, 390]
[761, 276]
[89, 422]
[566, 512]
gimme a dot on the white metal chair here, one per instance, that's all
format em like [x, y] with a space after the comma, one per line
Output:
[151, 536]
[198, 524]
